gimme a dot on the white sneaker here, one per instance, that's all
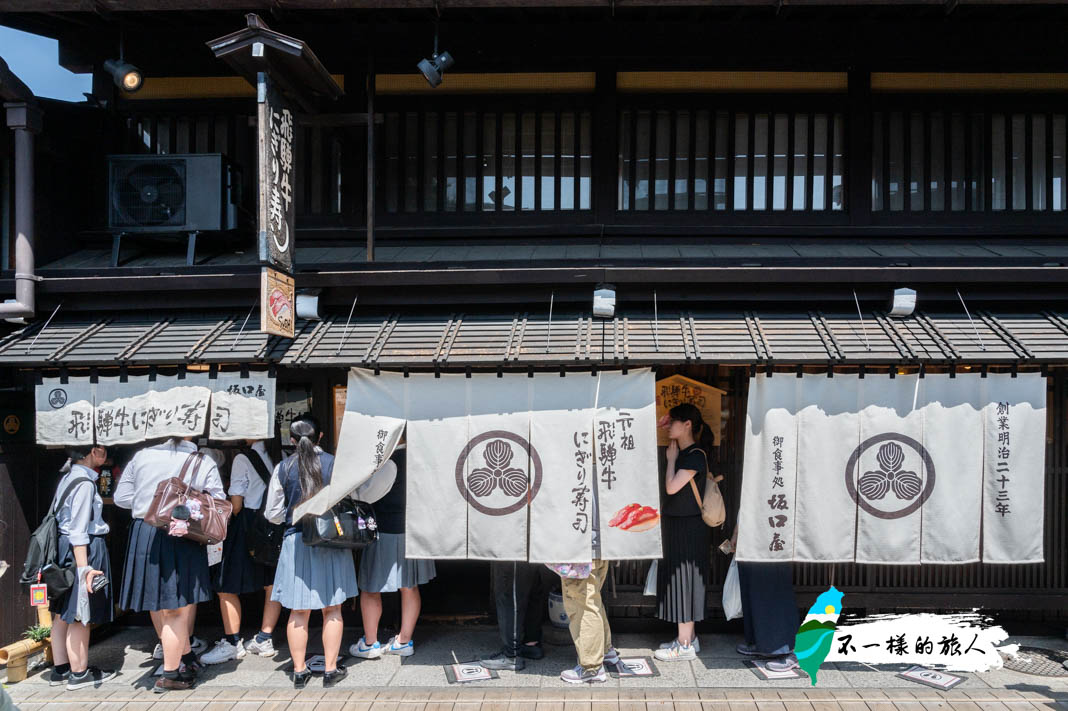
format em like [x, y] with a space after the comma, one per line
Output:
[157, 653]
[676, 653]
[198, 646]
[401, 650]
[696, 644]
[364, 651]
[224, 651]
[262, 649]
[578, 675]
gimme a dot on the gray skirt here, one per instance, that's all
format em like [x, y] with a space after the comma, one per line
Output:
[383, 567]
[313, 577]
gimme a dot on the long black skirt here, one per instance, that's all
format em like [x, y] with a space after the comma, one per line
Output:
[101, 609]
[682, 576]
[769, 608]
[237, 573]
[163, 572]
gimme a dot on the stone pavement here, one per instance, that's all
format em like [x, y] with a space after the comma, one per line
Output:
[717, 681]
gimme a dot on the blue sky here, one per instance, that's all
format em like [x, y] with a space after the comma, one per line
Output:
[35, 60]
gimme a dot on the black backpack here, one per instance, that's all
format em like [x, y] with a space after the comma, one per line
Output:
[263, 539]
[42, 558]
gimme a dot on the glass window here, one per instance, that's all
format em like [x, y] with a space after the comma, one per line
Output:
[800, 158]
[722, 154]
[585, 162]
[662, 153]
[682, 161]
[549, 151]
[471, 164]
[760, 162]
[489, 162]
[997, 160]
[778, 167]
[451, 136]
[641, 182]
[741, 160]
[1019, 162]
[938, 159]
[529, 123]
[877, 157]
[701, 160]
[430, 162]
[567, 161]
[1038, 162]
[819, 163]
[625, 160]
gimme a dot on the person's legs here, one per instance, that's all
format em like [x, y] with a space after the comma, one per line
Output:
[506, 596]
[59, 642]
[333, 630]
[587, 622]
[537, 603]
[272, 610]
[230, 607]
[685, 633]
[411, 605]
[174, 636]
[157, 623]
[371, 613]
[77, 641]
[297, 636]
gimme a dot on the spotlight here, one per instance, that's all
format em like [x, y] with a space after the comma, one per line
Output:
[125, 75]
[604, 301]
[434, 67]
[904, 302]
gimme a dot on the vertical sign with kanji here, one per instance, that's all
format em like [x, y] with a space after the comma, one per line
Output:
[276, 209]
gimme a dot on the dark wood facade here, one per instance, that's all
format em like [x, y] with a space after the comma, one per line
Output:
[826, 171]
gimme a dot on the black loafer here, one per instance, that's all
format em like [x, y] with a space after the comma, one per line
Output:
[532, 651]
[331, 678]
[300, 679]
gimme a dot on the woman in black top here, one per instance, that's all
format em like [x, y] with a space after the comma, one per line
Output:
[682, 575]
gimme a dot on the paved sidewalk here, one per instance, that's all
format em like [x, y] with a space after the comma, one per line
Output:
[717, 681]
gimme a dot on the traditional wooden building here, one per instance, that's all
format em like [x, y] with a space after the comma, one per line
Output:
[752, 178]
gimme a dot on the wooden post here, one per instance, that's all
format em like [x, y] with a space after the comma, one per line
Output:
[371, 150]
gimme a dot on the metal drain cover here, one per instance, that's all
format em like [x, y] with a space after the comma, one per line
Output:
[1038, 661]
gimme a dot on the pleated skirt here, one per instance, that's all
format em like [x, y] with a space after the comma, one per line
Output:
[384, 569]
[683, 575]
[313, 577]
[101, 609]
[237, 573]
[163, 572]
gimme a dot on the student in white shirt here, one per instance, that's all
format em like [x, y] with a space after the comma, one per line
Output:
[238, 573]
[81, 544]
[165, 575]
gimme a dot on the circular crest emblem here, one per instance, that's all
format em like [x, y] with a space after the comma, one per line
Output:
[498, 481]
[57, 398]
[890, 475]
[12, 424]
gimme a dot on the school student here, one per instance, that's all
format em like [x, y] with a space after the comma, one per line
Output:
[308, 577]
[165, 575]
[237, 573]
[78, 509]
[385, 569]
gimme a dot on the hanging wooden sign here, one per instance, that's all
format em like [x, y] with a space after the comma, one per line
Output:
[278, 297]
[677, 389]
[276, 204]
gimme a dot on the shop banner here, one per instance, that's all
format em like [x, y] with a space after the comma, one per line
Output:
[137, 408]
[65, 412]
[495, 462]
[901, 470]
[242, 408]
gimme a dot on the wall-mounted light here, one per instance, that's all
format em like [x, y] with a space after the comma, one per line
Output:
[904, 302]
[125, 75]
[435, 67]
[604, 301]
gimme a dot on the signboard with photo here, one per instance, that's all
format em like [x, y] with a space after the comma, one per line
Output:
[278, 298]
[678, 389]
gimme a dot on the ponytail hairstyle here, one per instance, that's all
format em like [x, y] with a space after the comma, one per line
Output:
[305, 431]
[702, 433]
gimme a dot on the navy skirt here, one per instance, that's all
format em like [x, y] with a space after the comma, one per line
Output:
[100, 608]
[238, 573]
[769, 608]
[163, 572]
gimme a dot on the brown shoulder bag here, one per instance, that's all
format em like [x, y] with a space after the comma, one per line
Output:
[713, 509]
[206, 517]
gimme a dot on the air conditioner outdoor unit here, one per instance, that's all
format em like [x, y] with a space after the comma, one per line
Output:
[171, 194]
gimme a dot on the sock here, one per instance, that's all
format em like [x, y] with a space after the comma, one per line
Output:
[170, 674]
[262, 636]
[233, 639]
[192, 640]
[189, 659]
[82, 673]
[62, 668]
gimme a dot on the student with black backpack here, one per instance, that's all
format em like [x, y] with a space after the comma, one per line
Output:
[81, 545]
[238, 573]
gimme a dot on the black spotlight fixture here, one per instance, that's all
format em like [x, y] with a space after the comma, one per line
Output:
[434, 67]
[125, 75]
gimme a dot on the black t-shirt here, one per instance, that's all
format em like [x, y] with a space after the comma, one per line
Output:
[683, 502]
[390, 508]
